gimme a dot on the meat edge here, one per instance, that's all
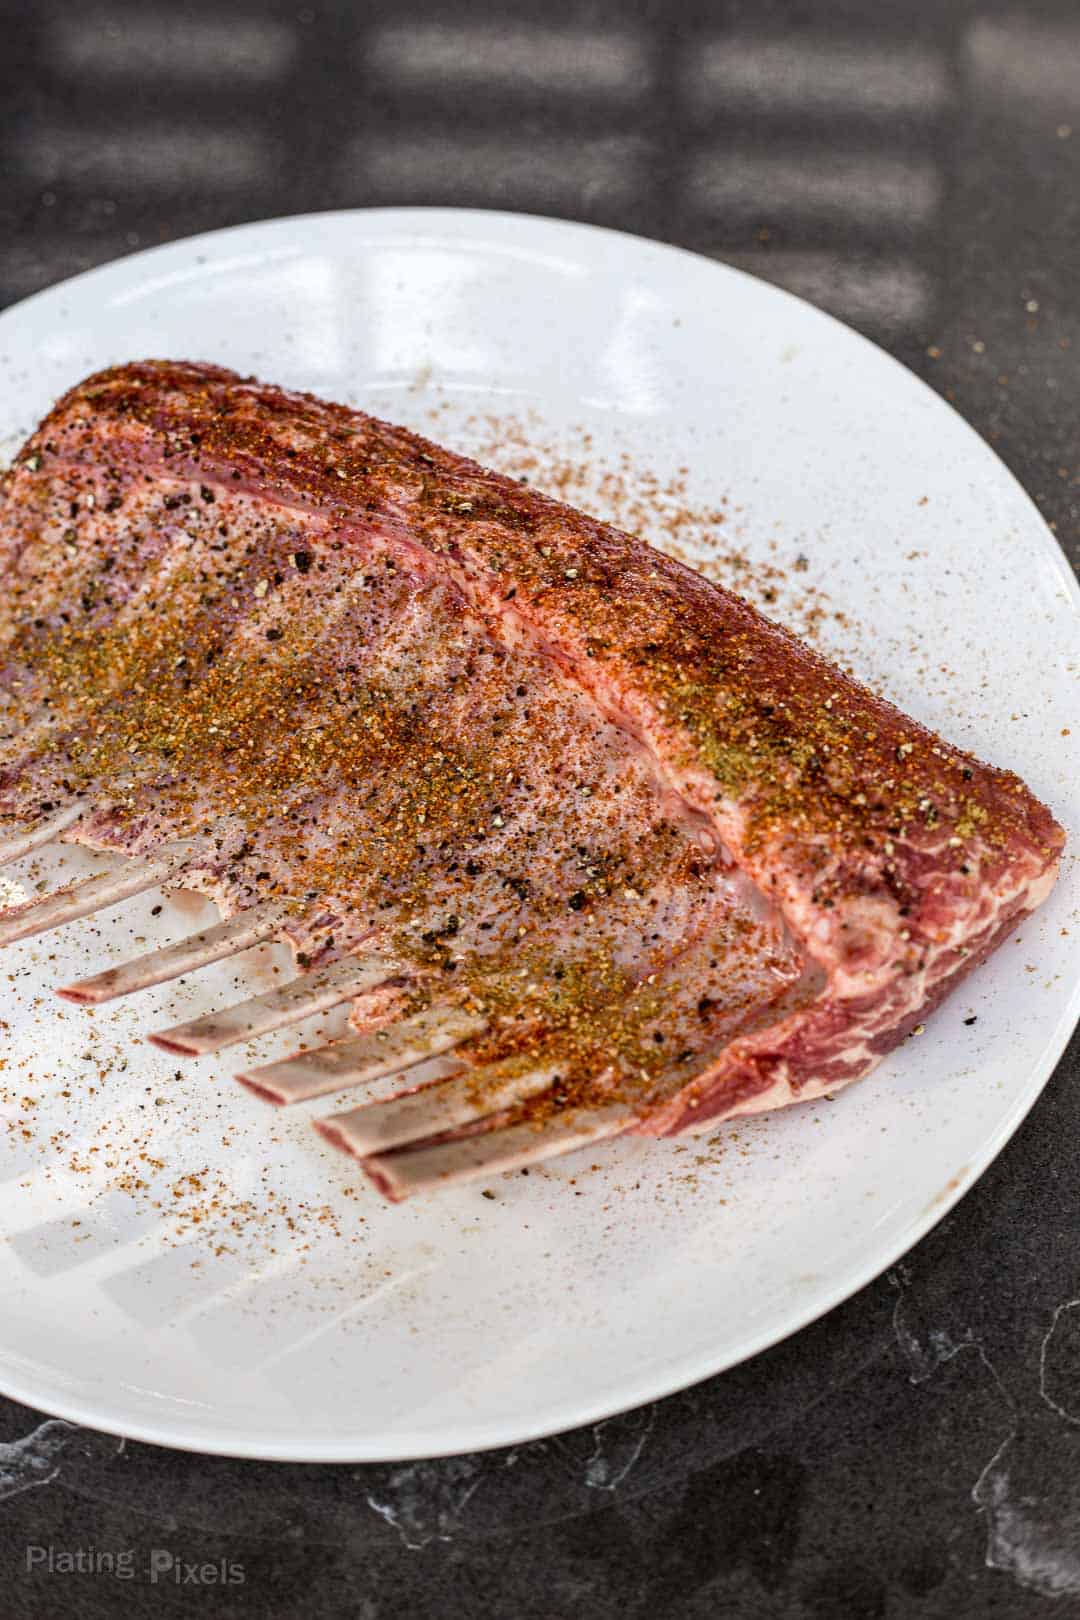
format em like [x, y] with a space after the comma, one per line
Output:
[870, 987]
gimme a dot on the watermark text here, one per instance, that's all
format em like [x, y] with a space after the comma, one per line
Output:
[159, 1565]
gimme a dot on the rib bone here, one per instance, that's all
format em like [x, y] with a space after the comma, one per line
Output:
[39, 832]
[94, 893]
[367, 1057]
[311, 993]
[470, 1158]
[443, 1106]
[250, 927]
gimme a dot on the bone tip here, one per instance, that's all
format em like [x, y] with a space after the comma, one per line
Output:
[331, 1132]
[260, 1089]
[83, 995]
[175, 1044]
[381, 1175]
[377, 1171]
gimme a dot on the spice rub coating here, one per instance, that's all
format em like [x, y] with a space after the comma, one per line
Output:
[439, 708]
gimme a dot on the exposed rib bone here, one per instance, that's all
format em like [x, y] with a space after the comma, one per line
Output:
[366, 1057]
[250, 927]
[443, 1106]
[311, 993]
[94, 893]
[470, 1158]
[39, 832]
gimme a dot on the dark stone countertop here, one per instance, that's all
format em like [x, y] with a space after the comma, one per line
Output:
[916, 169]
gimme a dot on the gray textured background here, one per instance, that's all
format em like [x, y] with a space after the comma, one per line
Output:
[915, 168]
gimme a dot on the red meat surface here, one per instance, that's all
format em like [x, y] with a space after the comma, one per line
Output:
[566, 779]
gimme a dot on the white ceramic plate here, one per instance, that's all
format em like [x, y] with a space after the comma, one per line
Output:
[184, 1265]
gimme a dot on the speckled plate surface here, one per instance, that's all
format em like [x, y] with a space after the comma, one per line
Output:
[180, 1263]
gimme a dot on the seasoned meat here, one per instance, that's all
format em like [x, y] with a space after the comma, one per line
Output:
[654, 839]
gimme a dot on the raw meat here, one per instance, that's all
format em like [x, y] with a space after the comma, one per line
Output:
[661, 846]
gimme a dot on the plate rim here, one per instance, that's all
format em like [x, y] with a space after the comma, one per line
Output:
[477, 1435]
